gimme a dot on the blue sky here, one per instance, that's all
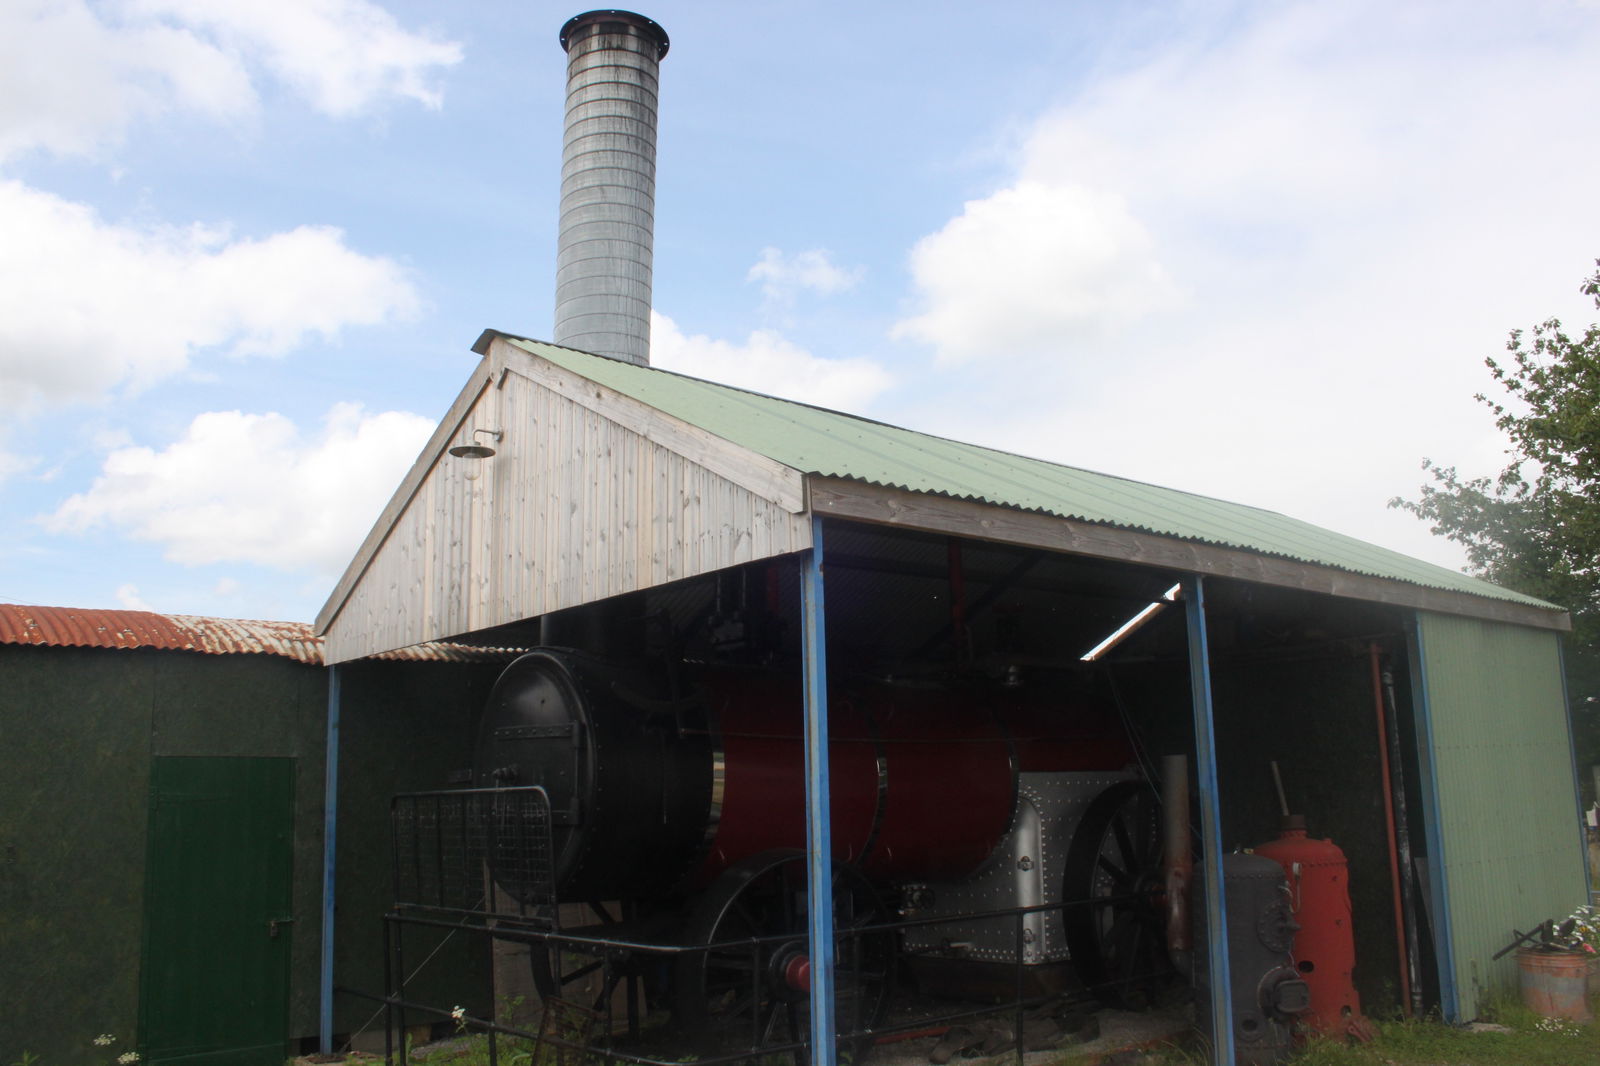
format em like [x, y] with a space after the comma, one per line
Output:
[1257, 251]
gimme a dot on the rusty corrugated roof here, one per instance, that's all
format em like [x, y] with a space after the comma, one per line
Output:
[93, 628]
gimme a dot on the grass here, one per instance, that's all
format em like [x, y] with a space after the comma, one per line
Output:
[1531, 1041]
[1409, 1043]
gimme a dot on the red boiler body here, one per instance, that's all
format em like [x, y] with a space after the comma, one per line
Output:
[656, 788]
[1324, 946]
[923, 783]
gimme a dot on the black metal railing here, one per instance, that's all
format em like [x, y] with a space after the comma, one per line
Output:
[480, 861]
[481, 851]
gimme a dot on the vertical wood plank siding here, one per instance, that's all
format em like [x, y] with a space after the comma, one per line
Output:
[573, 508]
[1508, 813]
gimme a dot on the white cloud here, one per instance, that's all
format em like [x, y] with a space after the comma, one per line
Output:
[783, 276]
[128, 597]
[252, 488]
[1032, 268]
[767, 363]
[1337, 210]
[12, 464]
[87, 305]
[114, 74]
[342, 55]
[74, 76]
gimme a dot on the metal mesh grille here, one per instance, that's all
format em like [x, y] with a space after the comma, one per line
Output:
[450, 848]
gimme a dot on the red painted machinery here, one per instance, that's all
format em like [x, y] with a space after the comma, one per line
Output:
[657, 792]
[1324, 946]
[681, 792]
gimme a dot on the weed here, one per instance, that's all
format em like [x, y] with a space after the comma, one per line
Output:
[127, 1058]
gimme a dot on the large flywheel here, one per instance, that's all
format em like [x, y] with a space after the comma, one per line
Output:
[1115, 924]
[750, 990]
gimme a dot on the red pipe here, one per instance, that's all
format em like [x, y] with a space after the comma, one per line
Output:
[958, 601]
[1388, 817]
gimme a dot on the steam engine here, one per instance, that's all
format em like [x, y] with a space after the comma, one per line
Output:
[655, 793]
[682, 792]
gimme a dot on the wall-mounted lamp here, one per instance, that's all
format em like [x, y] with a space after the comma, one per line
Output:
[476, 450]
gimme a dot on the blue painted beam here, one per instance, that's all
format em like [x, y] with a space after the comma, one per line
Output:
[330, 809]
[1433, 825]
[1577, 783]
[1205, 753]
[819, 833]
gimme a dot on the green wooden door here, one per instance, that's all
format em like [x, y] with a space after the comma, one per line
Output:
[214, 983]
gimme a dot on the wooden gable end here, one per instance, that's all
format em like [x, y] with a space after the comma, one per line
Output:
[589, 494]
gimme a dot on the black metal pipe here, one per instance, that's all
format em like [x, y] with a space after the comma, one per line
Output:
[388, 992]
[1017, 1018]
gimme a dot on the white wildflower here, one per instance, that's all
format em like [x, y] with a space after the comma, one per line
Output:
[128, 1058]
[104, 1040]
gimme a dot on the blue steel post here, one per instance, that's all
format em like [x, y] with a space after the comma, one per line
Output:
[1432, 825]
[330, 807]
[819, 835]
[1577, 781]
[1205, 754]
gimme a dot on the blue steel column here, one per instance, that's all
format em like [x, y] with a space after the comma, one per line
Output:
[819, 835]
[1205, 755]
[1577, 780]
[330, 808]
[1432, 826]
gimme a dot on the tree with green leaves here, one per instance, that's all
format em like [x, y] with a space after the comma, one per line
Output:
[1536, 527]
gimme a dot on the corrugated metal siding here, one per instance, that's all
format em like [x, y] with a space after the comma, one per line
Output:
[90, 628]
[831, 444]
[573, 508]
[1507, 809]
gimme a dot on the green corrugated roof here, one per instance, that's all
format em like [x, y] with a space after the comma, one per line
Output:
[815, 440]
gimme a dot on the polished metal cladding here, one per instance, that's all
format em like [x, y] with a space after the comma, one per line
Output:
[608, 170]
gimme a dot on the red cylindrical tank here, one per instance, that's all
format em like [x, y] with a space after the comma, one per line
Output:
[1324, 947]
[652, 789]
[924, 783]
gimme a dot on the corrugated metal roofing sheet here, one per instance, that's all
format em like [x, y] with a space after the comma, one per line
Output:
[828, 443]
[71, 627]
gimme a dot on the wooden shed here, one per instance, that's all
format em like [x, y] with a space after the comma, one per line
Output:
[595, 483]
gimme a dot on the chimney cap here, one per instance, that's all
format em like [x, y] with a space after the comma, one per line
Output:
[650, 28]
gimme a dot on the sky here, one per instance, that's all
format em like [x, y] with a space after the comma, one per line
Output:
[1258, 251]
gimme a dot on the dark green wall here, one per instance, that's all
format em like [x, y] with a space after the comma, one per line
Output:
[404, 728]
[80, 726]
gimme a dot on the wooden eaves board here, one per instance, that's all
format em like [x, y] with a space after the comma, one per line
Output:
[967, 518]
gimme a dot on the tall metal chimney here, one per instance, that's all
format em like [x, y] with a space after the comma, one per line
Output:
[608, 184]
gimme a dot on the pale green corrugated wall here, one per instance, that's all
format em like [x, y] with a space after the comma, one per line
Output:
[1507, 813]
